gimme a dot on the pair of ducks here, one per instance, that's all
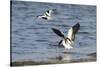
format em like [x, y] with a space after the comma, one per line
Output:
[68, 40]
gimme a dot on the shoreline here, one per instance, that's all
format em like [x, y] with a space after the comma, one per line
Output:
[91, 58]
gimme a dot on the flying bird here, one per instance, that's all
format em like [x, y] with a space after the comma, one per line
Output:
[67, 41]
[47, 14]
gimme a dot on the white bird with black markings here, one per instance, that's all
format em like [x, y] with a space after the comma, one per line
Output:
[47, 14]
[68, 41]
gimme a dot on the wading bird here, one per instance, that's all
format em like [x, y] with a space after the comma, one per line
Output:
[67, 41]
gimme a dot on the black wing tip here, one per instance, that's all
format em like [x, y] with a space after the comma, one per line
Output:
[47, 11]
[78, 24]
[76, 28]
[54, 29]
[58, 32]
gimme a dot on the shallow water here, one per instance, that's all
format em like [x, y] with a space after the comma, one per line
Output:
[33, 39]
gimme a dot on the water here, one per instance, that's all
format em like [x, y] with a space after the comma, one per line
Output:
[33, 39]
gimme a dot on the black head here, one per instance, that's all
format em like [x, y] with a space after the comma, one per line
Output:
[55, 11]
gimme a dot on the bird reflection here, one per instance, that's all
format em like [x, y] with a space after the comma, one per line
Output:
[65, 57]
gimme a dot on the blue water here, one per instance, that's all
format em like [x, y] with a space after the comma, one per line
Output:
[33, 39]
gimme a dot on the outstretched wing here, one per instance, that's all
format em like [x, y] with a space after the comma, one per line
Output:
[69, 34]
[48, 12]
[76, 28]
[58, 32]
[72, 31]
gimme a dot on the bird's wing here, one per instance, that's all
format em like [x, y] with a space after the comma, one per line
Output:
[69, 34]
[59, 33]
[76, 28]
[48, 12]
[72, 31]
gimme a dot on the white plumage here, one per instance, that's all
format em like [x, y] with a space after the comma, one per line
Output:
[69, 39]
[47, 14]
[67, 45]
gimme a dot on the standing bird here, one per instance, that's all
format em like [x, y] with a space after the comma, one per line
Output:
[67, 41]
[47, 14]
